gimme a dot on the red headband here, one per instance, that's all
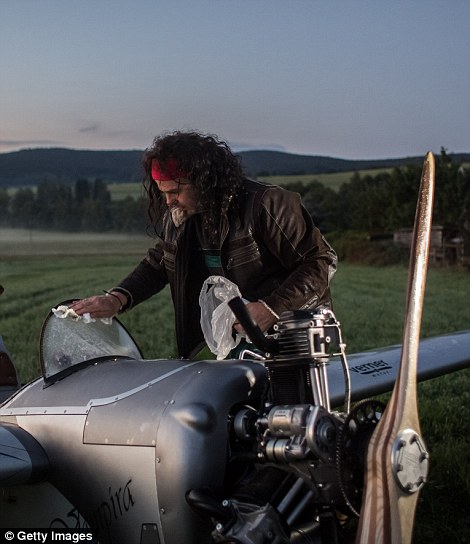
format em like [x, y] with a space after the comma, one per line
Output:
[166, 171]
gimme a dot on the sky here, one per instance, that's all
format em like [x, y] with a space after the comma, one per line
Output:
[358, 79]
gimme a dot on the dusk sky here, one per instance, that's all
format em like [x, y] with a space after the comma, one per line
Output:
[352, 79]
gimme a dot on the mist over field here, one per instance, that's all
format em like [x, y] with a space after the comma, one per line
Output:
[24, 242]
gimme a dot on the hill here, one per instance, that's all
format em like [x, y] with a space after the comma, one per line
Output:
[30, 166]
[275, 163]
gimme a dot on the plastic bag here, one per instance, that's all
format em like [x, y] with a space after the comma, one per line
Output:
[217, 318]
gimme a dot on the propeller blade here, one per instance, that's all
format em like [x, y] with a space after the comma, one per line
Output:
[397, 460]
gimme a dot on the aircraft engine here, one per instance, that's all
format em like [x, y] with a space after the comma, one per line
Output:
[306, 457]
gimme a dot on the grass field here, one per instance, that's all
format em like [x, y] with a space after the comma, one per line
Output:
[333, 181]
[24, 242]
[39, 270]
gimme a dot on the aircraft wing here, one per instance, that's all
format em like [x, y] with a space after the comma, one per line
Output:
[374, 372]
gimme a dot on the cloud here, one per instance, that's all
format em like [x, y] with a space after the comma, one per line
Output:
[89, 128]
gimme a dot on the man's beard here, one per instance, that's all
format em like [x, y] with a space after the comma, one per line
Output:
[179, 215]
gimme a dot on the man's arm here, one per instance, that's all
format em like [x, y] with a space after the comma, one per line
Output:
[147, 279]
[290, 235]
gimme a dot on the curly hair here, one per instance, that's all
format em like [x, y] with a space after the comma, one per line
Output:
[208, 164]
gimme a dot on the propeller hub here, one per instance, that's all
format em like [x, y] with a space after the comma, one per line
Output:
[410, 461]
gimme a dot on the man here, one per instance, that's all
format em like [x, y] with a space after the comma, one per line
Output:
[210, 219]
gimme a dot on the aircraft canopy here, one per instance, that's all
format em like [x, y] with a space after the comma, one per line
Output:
[69, 342]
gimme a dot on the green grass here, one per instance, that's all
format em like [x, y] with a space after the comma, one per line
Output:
[369, 302]
[119, 191]
[332, 180]
[34, 286]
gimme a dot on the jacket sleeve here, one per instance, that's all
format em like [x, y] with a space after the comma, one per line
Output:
[148, 277]
[289, 234]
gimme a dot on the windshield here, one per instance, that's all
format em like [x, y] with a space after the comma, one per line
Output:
[67, 341]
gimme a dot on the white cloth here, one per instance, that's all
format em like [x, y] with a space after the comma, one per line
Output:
[64, 312]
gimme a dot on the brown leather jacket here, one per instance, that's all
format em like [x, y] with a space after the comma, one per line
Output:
[271, 249]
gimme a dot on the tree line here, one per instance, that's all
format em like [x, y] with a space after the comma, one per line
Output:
[373, 204]
[84, 206]
[387, 201]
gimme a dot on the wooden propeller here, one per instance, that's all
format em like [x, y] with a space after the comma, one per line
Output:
[397, 460]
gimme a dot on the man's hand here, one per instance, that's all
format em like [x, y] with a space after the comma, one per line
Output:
[99, 306]
[260, 315]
